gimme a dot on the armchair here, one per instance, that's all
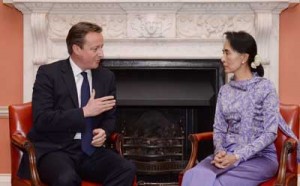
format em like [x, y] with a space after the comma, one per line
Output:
[286, 149]
[20, 122]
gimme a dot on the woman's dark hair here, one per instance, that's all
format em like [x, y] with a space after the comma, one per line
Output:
[242, 42]
[78, 32]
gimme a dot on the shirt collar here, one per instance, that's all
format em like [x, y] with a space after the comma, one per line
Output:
[76, 69]
[245, 84]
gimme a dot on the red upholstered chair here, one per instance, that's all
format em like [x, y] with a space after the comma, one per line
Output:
[20, 122]
[286, 149]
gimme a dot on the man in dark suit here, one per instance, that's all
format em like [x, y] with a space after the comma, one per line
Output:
[74, 112]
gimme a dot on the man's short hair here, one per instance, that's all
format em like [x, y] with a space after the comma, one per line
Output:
[78, 32]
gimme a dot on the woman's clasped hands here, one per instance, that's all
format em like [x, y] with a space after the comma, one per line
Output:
[223, 160]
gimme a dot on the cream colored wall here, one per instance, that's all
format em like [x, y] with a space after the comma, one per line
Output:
[11, 65]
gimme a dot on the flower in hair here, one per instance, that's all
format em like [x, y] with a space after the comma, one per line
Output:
[256, 62]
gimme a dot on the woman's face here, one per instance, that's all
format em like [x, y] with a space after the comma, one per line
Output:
[231, 59]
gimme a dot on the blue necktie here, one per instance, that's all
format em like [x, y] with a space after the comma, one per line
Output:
[87, 135]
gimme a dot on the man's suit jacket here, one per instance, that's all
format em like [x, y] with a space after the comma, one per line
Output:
[56, 113]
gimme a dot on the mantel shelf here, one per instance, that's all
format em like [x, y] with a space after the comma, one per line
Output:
[147, 29]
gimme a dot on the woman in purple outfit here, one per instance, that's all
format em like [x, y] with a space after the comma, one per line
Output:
[246, 122]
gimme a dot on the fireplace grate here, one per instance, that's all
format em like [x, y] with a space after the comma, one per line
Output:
[162, 167]
[155, 155]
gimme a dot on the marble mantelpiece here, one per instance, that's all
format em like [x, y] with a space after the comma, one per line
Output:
[148, 29]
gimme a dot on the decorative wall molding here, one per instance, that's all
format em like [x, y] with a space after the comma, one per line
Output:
[212, 26]
[185, 29]
[38, 28]
[151, 25]
[3, 114]
[5, 179]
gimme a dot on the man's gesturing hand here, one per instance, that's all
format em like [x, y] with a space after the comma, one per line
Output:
[97, 106]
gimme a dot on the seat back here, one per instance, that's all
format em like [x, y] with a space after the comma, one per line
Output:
[20, 121]
[290, 114]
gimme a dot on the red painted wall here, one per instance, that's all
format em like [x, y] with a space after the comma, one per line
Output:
[289, 56]
[11, 72]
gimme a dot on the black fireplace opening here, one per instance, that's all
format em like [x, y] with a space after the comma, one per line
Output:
[159, 103]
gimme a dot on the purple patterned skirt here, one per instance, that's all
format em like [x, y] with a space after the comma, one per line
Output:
[249, 173]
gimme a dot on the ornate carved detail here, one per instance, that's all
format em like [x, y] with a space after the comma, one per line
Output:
[267, 6]
[58, 26]
[114, 26]
[151, 25]
[39, 5]
[148, 6]
[39, 30]
[88, 7]
[223, 7]
[212, 26]
[263, 24]
[64, 7]
[29, 7]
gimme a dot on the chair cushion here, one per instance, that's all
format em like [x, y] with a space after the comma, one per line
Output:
[270, 182]
[87, 183]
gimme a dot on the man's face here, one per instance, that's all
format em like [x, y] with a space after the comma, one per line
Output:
[92, 51]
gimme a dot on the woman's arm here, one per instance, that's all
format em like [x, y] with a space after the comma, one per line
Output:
[220, 126]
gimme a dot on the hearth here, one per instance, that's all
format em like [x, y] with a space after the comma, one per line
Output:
[160, 102]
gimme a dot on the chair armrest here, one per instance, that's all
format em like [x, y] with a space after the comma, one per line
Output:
[289, 146]
[21, 142]
[116, 142]
[195, 139]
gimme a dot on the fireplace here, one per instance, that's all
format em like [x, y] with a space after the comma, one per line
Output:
[160, 102]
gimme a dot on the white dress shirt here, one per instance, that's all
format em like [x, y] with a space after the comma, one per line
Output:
[78, 81]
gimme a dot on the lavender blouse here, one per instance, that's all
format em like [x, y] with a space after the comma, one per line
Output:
[247, 118]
